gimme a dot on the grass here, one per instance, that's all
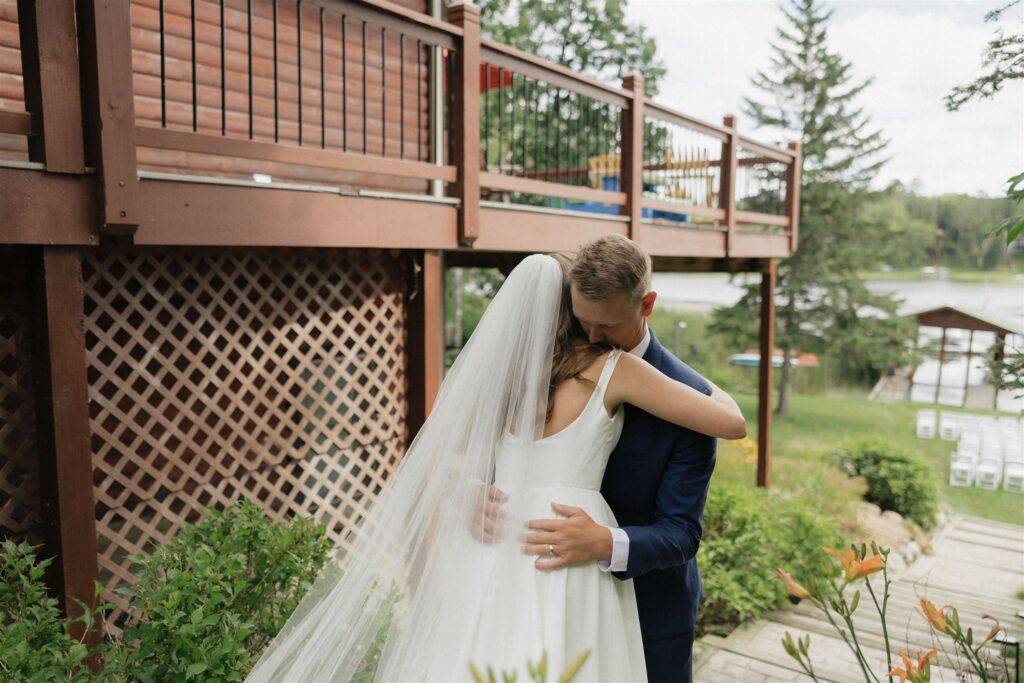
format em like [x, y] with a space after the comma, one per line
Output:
[818, 425]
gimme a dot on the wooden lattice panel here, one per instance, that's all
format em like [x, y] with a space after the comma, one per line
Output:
[19, 481]
[278, 376]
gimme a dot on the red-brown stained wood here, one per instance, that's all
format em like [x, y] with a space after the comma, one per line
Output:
[47, 208]
[793, 180]
[764, 375]
[104, 47]
[49, 54]
[425, 338]
[466, 119]
[62, 432]
[633, 154]
[727, 182]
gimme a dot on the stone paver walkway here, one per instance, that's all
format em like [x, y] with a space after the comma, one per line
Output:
[976, 566]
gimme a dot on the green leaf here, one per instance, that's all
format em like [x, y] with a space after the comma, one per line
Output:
[195, 669]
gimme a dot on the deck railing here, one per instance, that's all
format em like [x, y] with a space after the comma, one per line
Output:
[368, 94]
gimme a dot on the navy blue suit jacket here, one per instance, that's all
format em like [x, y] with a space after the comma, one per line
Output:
[656, 483]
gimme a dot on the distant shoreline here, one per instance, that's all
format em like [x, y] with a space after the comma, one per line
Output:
[1001, 277]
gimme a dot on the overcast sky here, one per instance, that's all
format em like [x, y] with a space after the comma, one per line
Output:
[916, 51]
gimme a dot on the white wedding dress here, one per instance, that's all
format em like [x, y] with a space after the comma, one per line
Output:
[529, 611]
[413, 595]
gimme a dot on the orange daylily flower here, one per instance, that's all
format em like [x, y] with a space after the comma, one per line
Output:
[868, 565]
[915, 672]
[852, 567]
[934, 615]
[795, 589]
[995, 629]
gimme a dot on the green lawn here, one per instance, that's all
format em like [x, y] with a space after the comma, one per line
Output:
[817, 425]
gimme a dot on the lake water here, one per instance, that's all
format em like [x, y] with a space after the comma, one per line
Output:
[1003, 302]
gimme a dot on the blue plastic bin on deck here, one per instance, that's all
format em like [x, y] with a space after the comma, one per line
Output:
[611, 184]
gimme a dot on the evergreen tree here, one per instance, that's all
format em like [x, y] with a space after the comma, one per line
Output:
[809, 93]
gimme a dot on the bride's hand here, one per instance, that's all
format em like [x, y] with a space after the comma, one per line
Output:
[488, 514]
[578, 539]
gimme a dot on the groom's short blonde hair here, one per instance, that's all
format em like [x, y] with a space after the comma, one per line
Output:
[612, 265]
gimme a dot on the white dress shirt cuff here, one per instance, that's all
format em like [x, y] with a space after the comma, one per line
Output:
[620, 552]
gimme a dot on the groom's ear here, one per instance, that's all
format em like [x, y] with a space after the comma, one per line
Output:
[647, 303]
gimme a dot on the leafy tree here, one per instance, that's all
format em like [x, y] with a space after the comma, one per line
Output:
[590, 37]
[1003, 62]
[809, 92]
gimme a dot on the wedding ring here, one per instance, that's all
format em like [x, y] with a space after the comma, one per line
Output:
[551, 549]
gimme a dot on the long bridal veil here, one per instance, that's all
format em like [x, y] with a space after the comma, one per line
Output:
[413, 582]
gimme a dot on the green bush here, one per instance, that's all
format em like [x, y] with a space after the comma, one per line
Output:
[203, 606]
[748, 532]
[35, 644]
[208, 602]
[897, 480]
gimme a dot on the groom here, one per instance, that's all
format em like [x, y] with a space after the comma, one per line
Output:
[657, 477]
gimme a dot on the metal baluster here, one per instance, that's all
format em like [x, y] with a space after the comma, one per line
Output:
[223, 90]
[344, 88]
[401, 95]
[501, 115]
[487, 115]
[249, 33]
[419, 100]
[298, 54]
[276, 117]
[195, 111]
[323, 90]
[364, 87]
[163, 71]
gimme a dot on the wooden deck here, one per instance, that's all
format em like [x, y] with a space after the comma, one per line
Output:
[362, 124]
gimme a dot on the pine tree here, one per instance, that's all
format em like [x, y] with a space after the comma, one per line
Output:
[809, 93]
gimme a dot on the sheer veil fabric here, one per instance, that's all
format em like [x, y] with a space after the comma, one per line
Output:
[384, 610]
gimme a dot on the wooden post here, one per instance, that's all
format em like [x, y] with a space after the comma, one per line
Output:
[942, 360]
[466, 119]
[727, 181]
[1000, 356]
[764, 374]
[105, 51]
[793, 179]
[62, 421]
[967, 374]
[425, 339]
[632, 162]
[49, 62]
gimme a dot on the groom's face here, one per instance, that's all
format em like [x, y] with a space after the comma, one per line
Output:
[615, 320]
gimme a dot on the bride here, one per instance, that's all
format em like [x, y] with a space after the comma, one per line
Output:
[417, 593]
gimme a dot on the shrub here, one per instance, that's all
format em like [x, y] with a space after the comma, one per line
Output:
[34, 639]
[897, 480]
[747, 532]
[207, 603]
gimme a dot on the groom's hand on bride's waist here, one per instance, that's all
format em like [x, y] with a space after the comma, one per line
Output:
[488, 514]
[577, 539]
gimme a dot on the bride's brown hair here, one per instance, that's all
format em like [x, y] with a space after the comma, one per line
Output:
[573, 351]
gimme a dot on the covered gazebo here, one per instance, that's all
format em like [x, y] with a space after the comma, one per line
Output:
[965, 338]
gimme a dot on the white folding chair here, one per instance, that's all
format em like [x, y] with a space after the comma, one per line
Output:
[988, 473]
[961, 470]
[1013, 477]
[926, 424]
[949, 425]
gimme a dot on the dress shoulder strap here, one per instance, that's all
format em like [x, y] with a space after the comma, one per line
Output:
[609, 366]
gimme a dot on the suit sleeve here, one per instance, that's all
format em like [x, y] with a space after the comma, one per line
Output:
[673, 538]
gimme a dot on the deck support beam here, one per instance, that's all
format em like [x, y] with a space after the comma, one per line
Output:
[764, 374]
[67, 508]
[425, 340]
